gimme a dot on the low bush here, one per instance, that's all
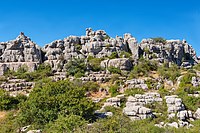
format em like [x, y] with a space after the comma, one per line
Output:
[95, 63]
[159, 40]
[143, 68]
[91, 86]
[133, 91]
[8, 102]
[113, 55]
[114, 90]
[170, 73]
[114, 70]
[76, 67]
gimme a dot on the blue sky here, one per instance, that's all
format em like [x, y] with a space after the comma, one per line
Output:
[48, 20]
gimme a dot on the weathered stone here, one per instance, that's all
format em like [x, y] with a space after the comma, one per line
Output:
[121, 63]
[173, 124]
[19, 52]
[197, 114]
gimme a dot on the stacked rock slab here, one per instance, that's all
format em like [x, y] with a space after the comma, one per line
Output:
[175, 105]
[17, 85]
[100, 76]
[135, 105]
[19, 52]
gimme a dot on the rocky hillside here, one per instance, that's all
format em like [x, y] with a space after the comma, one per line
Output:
[95, 83]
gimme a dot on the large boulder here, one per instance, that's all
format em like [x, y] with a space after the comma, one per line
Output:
[121, 63]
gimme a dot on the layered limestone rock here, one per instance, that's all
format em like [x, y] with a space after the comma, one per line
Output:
[135, 105]
[136, 83]
[100, 76]
[176, 51]
[17, 85]
[121, 63]
[177, 108]
[19, 52]
[23, 51]
[59, 52]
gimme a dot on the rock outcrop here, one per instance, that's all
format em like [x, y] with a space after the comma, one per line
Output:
[176, 51]
[19, 52]
[121, 63]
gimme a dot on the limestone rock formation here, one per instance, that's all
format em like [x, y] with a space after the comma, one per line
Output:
[23, 51]
[121, 63]
[19, 52]
[176, 51]
[135, 105]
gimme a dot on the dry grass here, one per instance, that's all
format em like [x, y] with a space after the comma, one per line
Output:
[2, 115]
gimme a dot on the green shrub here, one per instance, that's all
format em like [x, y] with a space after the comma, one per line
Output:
[91, 86]
[133, 91]
[43, 71]
[65, 124]
[159, 40]
[113, 55]
[186, 80]
[186, 88]
[75, 66]
[125, 54]
[108, 46]
[8, 102]
[78, 47]
[114, 77]
[114, 90]
[47, 102]
[114, 70]
[163, 92]
[170, 73]
[151, 84]
[197, 67]
[143, 68]
[95, 63]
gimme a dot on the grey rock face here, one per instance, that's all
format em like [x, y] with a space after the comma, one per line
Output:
[17, 85]
[132, 45]
[97, 44]
[121, 63]
[19, 52]
[175, 105]
[113, 101]
[100, 76]
[59, 52]
[176, 51]
[197, 114]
